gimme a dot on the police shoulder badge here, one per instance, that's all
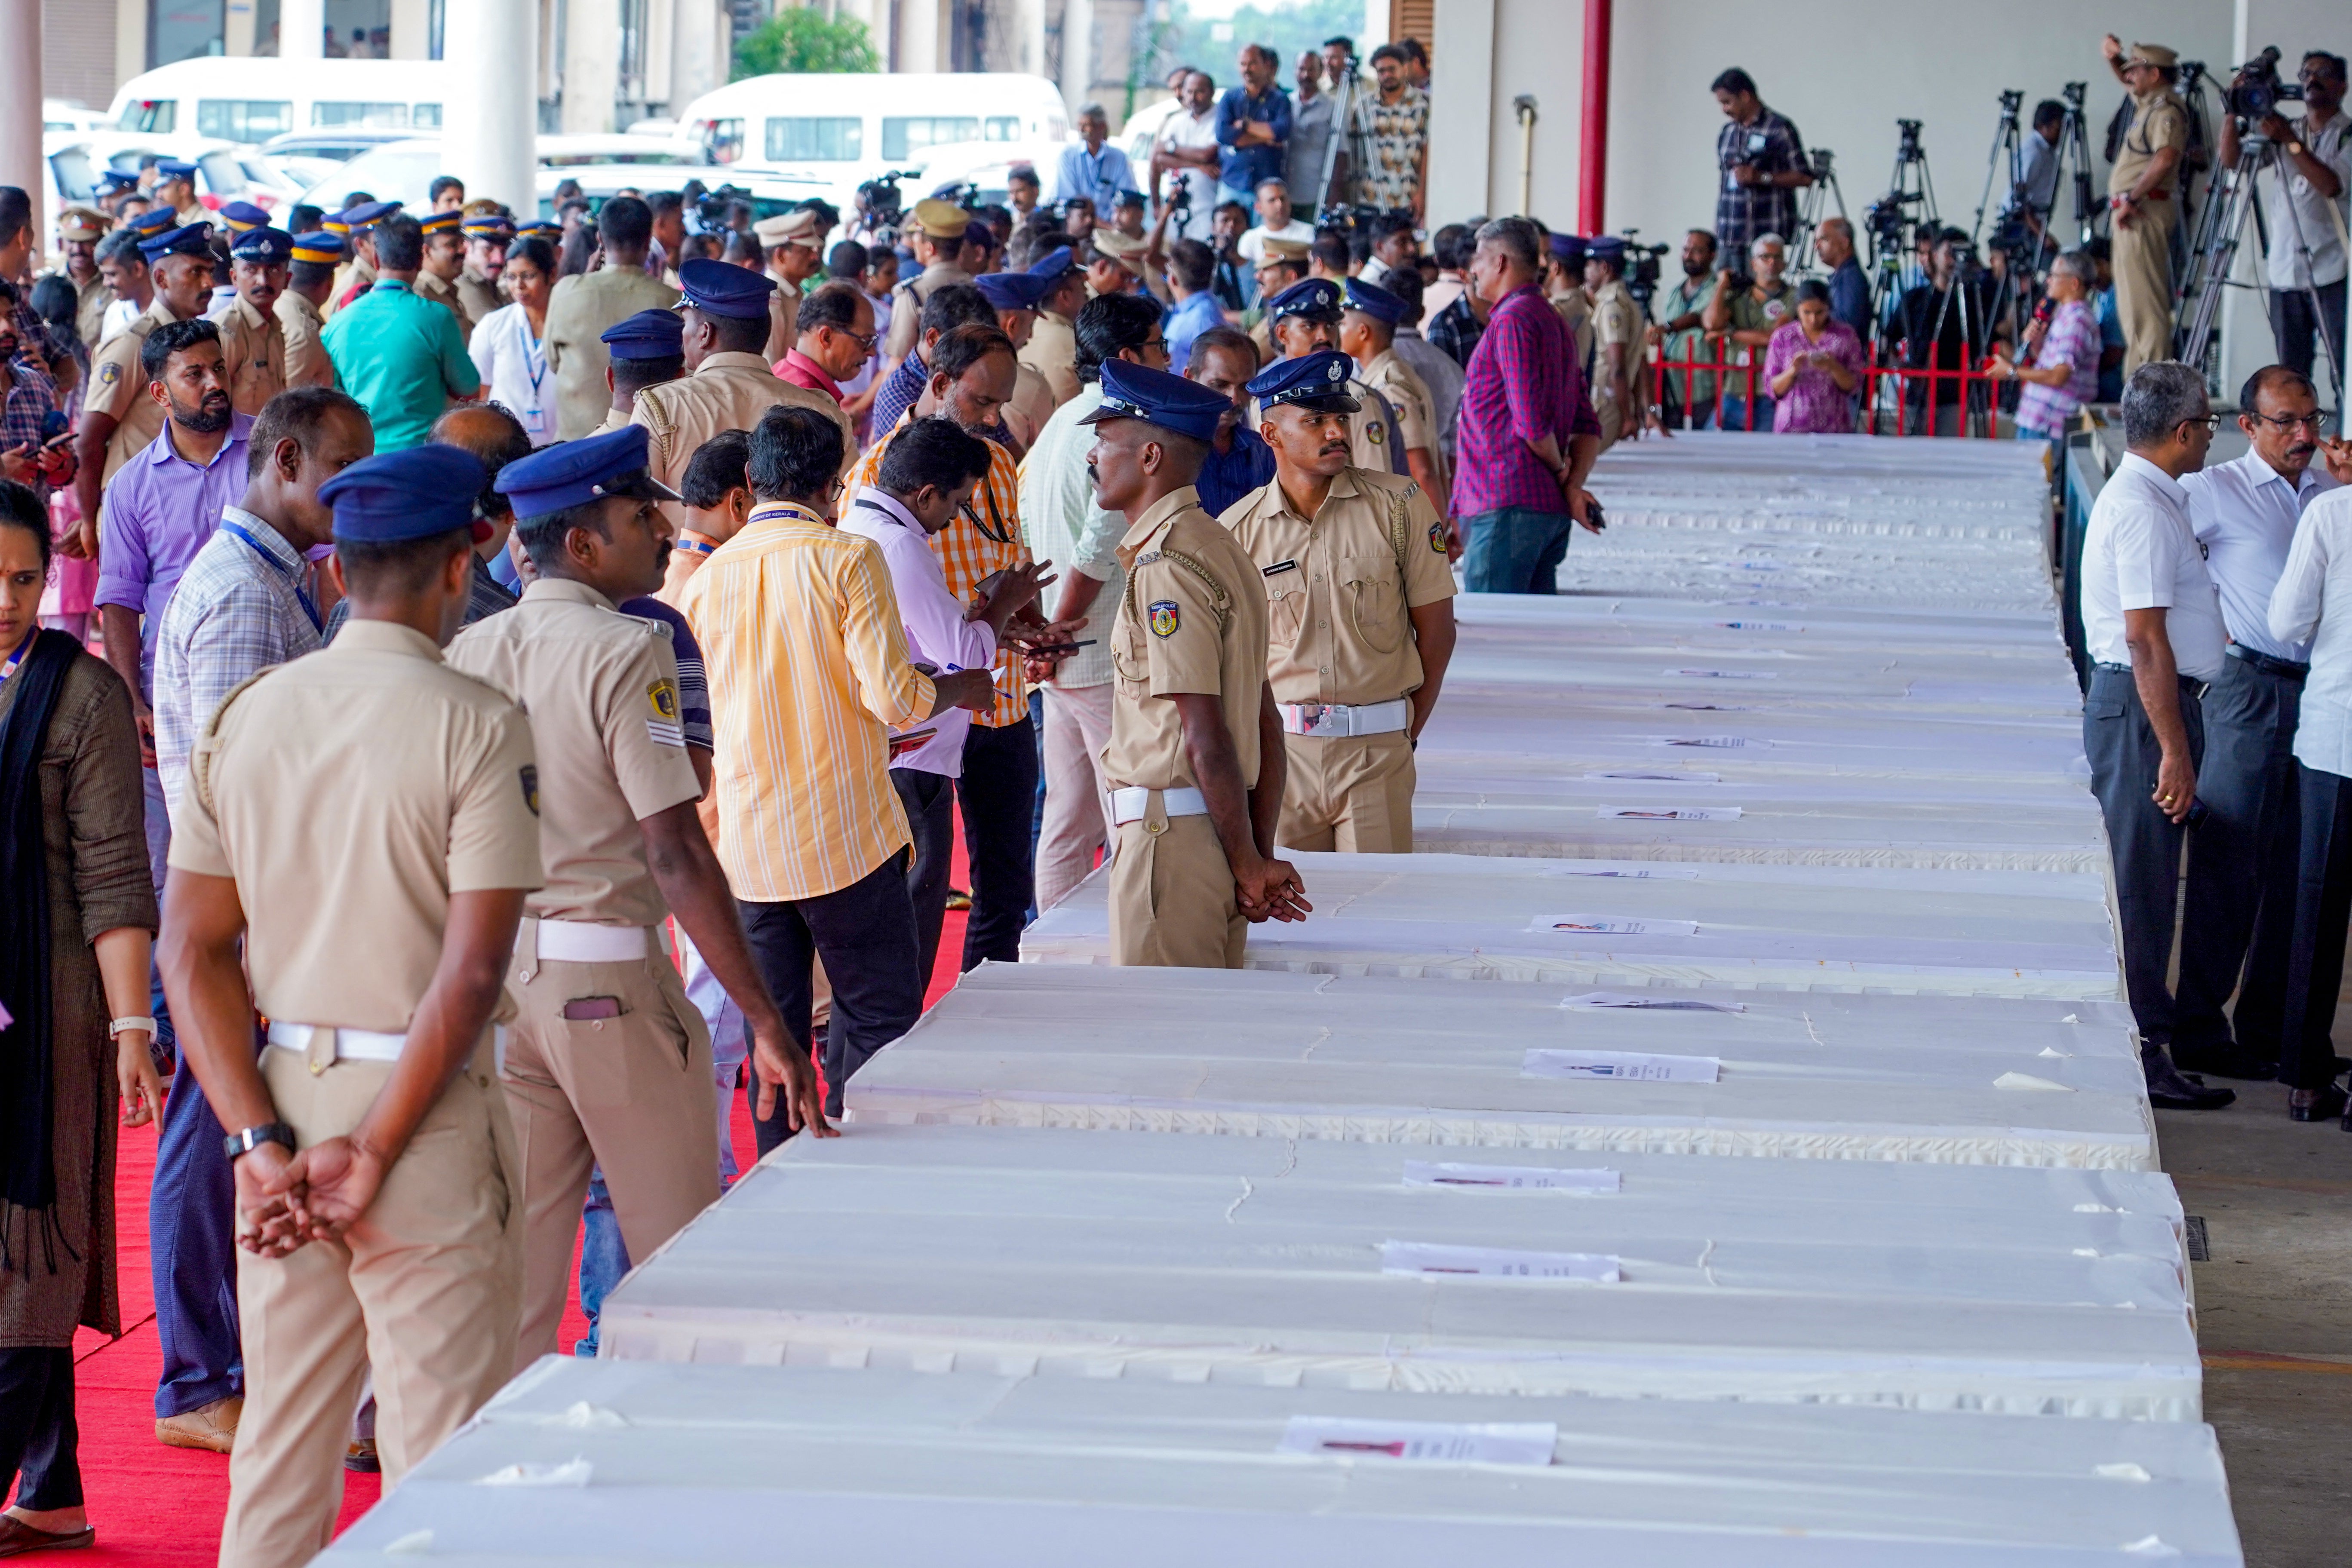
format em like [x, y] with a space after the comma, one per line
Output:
[1437, 537]
[1164, 617]
[664, 727]
[529, 775]
[1377, 431]
[109, 374]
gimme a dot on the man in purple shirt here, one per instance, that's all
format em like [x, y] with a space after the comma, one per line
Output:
[1526, 434]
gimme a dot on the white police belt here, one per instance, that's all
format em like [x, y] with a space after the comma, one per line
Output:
[1134, 804]
[580, 941]
[325, 1043]
[1339, 719]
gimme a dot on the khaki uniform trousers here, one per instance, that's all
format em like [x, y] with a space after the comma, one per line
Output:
[633, 1094]
[1349, 792]
[2142, 264]
[1172, 903]
[1077, 808]
[423, 1290]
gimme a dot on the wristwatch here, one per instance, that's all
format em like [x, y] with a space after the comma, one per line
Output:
[252, 1138]
[2294, 149]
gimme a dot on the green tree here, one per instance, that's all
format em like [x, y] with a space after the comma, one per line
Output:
[801, 38]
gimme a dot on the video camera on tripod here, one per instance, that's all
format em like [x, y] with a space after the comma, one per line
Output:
[885, 207]
[2256, 90]
[1639, 272]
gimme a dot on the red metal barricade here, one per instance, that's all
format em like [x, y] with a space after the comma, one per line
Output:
[1892, 400]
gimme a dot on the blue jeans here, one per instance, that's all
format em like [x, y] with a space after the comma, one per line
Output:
[1735, 413]
[603, 1256]
[1514, 549]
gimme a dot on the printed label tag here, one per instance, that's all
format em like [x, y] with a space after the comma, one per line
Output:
[1713, 742]
[1758, 626]
[1636, 1065]
[1657, 874]
[1673, 813]
[1432, 1260]
[1446, 1442]
[1662, 1004]
[1726, 674]
[1612, 925]
[1444, 1173]
[1706, 707]
[1653, 775]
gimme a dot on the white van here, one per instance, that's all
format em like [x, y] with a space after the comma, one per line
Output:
[251, 99]
[849, 126]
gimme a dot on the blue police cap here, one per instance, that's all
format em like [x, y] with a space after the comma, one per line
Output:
[175, 169]
[649, 335]
[242, 215]
[115, 180]
[1374, 301]
[411, 494]
[1316, 382]
[320, 247]
[1055, 264]
[196, 240]
[1014, 290]
[154, 221]
[1607, 248]
[366, 213]
[1156, 397]
[1317, 299]
[723, 289]
[270, 246]
[574, 473]
[1569, 248]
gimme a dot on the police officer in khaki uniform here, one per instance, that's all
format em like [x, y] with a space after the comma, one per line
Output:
[118, 418]
[1015, 296]
[585, 303]
[790, 241]
[1282, 263]
[2144, 198]
[1616, 340]
[938, 239]
[728, 386]
[1359, 603]
[609, 1064]
[357, 225]
[375, 1167]
[300, 322]
[175, 188]
[488, 234]
[1195, 761]
[645, 350]
[1368, 335]
[80, 229]
[1564, 287]
[1304, 319]
[442, 261]
[253, 342]
[1052, 349]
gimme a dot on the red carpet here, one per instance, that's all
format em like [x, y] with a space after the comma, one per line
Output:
[155, 1506]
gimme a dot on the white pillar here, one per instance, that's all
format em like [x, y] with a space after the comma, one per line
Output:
[301, 29]
[490, 121]
[20, 111]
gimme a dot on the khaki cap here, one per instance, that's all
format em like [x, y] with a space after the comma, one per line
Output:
[1116, 245]
[800, 227]
[1285, 249]
[78, 223]
[941, 220]
[2154, 55]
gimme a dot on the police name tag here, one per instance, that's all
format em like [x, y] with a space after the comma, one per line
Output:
[1592, 999]
[1436, 1260]
[1443, 1442]
[1607, 925]
[1496, 1178]
[1672, 812]
[1654, 776]
[1633, 1066]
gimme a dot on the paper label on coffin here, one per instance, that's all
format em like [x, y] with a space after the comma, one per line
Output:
[1436, 1260]
[1706, 707]
[1728, 674]
[1659, 874]
[1640, 1067]
[1610, 925]
[1711, 743]
[1653, 775]
[1661, 1004]
[1672, 812]
[1759, 627]
[1446, 1442]
[1449, 1173]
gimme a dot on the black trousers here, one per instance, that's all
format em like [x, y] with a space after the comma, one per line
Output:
[2145, 843]
[2294, 324]
[929, 803]
[2239, 924]
[865, 934]
[999, 793]
[40, 1446]
[2323, 908]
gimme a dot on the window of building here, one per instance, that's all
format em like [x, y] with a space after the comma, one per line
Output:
[150, 116]
[381, 116]
[426, 116]
[244, 119]
[184, 30]
[809, 140]
[903, 137]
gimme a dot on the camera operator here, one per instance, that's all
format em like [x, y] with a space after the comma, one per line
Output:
[1763, 164]
[1752, 310]
[1945, 323]
[2142, 196]
[2314, 174]
[2036, 191]
[1848, 284]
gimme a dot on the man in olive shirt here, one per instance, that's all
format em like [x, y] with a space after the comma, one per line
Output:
[2143, 198]
[444, 261]
[585, 303]
[1195, 759]
[1750, 310]
[253, 342]
[488, 232]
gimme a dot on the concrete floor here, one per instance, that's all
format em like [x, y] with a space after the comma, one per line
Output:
[2274, 1315]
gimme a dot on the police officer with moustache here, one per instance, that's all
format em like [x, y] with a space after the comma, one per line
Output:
[1305, 319]
[1360, 602]
[442, 261]
[1195, 759]
[609, 1064]
[937, 235]
[375, 1164]
[299, 322]
[253, 343]
[487, 236]
[118, 419]
[647, 349]
[1052, 350]
[1367, 324]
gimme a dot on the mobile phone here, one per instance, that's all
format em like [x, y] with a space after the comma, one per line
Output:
[1593, 519]
[583, 1008]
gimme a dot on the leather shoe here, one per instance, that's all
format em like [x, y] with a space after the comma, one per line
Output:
[2227, 1061]
[2168, 1090]
[16, 1538]
[361, 1458]
[212, 1426]
[2316, 1104]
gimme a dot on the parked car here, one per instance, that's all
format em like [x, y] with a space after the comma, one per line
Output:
[404, 171]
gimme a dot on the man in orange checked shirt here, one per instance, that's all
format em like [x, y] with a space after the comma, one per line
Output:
[973, 370]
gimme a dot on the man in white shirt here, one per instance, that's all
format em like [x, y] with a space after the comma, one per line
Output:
[1186, 153]
[927, 477]
[2306, 193]
[2241, 875]
[1276, 220]
[2153, 628]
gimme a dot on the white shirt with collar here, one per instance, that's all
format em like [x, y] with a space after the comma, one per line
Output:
[2309, 208]
[2244, 512]
[2313, 603]
[1252, 243]
[937, 633]
[2141, 554]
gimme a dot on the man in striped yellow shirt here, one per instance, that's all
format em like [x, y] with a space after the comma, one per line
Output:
[808, 669]
[972, 376]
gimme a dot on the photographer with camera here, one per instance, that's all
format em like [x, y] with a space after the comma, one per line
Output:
[2038, 164]
[2303, 200]
[1750, 309]
[2142, 196]
[1763, 164]
[1945, 324]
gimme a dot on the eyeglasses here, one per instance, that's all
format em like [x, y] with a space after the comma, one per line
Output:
[2315, 423]
[2211, 422]
[863, 339]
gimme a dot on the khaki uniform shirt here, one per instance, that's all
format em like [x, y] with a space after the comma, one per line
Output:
[1032, 404]
[429, 287]
[354, 278]
[1575, 307]
[479, 294]
[117, 388]
[1408, 396]
[253, 352]
[1616, 319]
[906, 307]
[1192, 621]
[1372, 439]
[1051, 352]
[601, 689]
[1337, 626]
[90, 308]
[2159, 120]
[300, 326]
[615, 419]
[726, 392]
[580, 310]
[371, 741]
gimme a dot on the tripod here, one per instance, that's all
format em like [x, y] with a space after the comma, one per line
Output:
[2232, 199]
[1812, 208]
[1976, 329]
[1343, 116]
[1911, 181]
[2074, 153]
[2007, 152]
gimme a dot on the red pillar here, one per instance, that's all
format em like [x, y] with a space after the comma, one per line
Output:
[1592, 172]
